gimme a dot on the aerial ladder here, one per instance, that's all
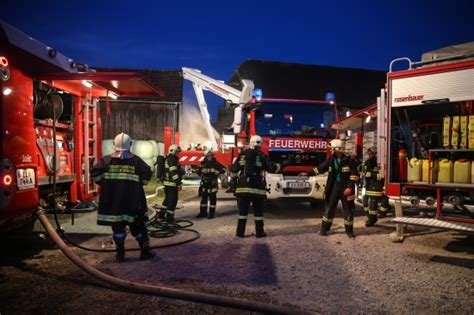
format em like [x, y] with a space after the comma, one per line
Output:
[234, 97]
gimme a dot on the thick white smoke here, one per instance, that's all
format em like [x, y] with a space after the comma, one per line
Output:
[191, 125]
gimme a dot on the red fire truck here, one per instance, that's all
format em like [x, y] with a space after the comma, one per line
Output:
[296, 131]
[39, 84]
[425, 137]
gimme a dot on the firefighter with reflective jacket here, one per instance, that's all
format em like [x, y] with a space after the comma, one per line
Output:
[209, 171]
[354, 164]
[172, 182]
[248, 171]
[340, 184]
[122, 202]
[374, 189]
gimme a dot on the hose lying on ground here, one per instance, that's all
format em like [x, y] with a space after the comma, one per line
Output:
[159, 290]
[156, 228]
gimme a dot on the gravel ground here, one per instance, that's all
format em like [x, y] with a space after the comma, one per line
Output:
[428, 273]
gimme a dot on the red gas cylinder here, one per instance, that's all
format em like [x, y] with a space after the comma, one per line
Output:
[402, 165]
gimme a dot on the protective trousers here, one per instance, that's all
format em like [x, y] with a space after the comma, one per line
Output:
[377, 207]
[212, 198]
[336, 194]
[171, 199]
[244, 206]
[138, 231]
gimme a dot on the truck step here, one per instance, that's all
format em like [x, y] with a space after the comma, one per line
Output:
[438, 224]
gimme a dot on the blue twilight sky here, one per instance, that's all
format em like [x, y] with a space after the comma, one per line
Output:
[216, 36]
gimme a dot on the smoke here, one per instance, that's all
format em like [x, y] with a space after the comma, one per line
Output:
[191, 126]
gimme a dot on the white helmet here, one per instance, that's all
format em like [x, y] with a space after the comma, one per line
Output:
[336, 145]
[174, 148]
[122, 142]
[255, 141]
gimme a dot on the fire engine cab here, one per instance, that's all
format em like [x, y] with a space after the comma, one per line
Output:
[294, 131]
[50, 129]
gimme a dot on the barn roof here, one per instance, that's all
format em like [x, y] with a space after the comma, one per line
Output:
[170, 82]
[354, 88]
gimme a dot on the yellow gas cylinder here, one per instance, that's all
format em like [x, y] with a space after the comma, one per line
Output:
[425, 170]
[445, 173]
[462, 171]
[414, 170]
[472, 173]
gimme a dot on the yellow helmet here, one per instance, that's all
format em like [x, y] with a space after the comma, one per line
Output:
[255, 141]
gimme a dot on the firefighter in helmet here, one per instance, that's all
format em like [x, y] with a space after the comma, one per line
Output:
[172, 182]
[339, 186]
[122, 202]
[374, 198]
[209, 171]
[249, 171]
[354, 163]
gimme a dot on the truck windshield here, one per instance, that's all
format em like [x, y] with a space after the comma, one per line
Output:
[295, 119]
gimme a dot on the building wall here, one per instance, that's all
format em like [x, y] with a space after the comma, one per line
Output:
[142, 120]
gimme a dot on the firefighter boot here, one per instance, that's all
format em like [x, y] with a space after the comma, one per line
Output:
[371, 220]
[161, 214]
[145, 251]
[241, 227]
[325, 227]
[169, 217]
[259, 232]
[120, 246]
[349, 230]
[202, 213]
[212, 212]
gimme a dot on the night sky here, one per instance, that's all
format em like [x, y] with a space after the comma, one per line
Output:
[216, 36]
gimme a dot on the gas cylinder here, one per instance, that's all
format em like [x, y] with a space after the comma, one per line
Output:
[414, 170]
[462, 171]
[402, 165]
[472, 173]
[425, 170]
[445, 173]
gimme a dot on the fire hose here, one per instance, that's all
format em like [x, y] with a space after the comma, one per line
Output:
[160, 290]
[143, 288]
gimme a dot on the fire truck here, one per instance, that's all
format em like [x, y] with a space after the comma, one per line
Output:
[295, 131]
[50, 128]
[424, 132]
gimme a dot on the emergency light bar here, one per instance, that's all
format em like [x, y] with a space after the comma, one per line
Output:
[258, 94]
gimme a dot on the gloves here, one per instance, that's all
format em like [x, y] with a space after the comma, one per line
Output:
[348, 192]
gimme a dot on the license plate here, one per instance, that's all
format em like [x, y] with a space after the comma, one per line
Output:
[25, 178]
[298, 185]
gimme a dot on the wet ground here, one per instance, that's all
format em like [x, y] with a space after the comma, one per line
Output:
[428, 273]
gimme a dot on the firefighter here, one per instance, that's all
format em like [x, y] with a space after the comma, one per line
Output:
[339, 186]
[248, 171]
[374, 198]
[122, 202]
[209, 171]
[354, 164]
[172, 181]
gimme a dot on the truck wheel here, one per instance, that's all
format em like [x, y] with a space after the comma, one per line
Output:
[224, 181]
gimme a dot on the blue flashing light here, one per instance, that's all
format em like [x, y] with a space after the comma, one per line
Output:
[322, 125]
[258, 94]
[330, 97]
